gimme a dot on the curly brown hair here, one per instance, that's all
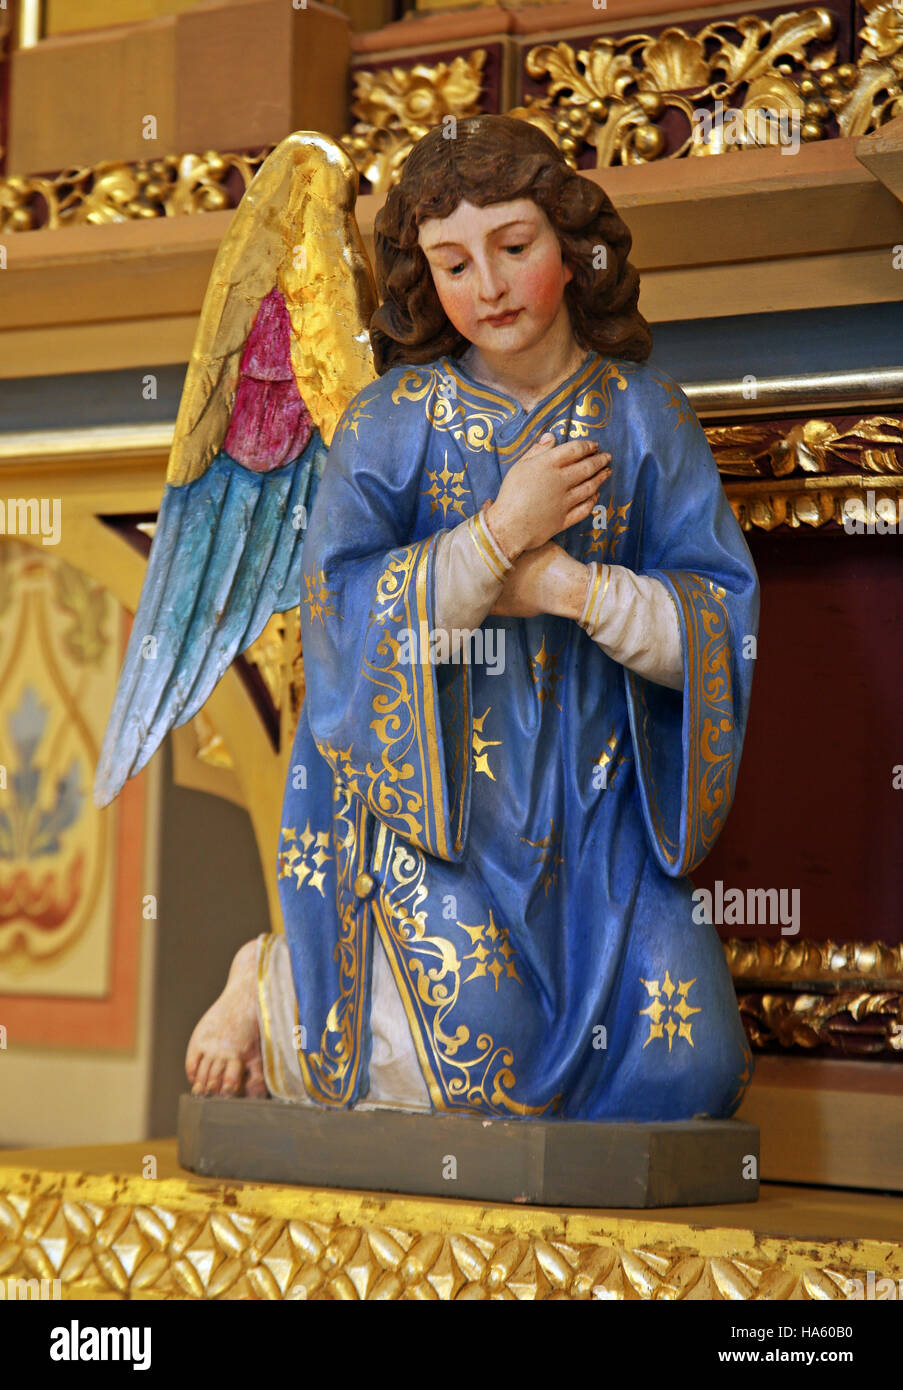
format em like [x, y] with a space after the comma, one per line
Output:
[495, 159]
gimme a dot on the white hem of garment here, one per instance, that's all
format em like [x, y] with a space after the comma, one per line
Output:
[396, 1081]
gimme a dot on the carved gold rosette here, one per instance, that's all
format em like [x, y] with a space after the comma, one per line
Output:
[130, 1237]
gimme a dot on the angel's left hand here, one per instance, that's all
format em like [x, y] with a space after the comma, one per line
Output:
[545, 580]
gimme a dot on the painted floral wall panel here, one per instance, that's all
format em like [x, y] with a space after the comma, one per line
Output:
[66, 928]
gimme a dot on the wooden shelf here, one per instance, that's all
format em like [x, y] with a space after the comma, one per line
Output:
[751, 232]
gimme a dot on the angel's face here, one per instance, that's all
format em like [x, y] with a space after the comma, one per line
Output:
[494, 262]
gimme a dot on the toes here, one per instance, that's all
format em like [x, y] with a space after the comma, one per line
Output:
[192, 1062]
[201, 1074]
[232, 1076]
[255, 1086]
[215, 1076]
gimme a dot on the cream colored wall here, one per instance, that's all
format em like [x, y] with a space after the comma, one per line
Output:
[56, 1096]
[74, 16]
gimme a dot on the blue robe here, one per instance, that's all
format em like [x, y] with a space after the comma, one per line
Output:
[519, 838]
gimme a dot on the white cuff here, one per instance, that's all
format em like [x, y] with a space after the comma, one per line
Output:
[634, 620]
[470, 575]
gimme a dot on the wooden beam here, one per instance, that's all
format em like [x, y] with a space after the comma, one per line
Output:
[882, 154]
[751, 232]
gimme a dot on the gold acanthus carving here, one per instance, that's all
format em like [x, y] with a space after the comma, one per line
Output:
[778, 474]
[611, 98]
[128, 1237]
[835, 964]
[758, 449]
[856, 1023]
[395, 106]
[115, 191]
[875, 502]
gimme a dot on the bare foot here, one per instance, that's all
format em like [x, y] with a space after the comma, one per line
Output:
[223, 1057]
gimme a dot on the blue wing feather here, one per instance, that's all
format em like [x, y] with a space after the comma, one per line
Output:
[226, 556]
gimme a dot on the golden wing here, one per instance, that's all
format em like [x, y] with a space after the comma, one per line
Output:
[281, 348]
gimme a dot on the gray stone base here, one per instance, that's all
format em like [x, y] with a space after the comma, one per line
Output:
[566, 1163]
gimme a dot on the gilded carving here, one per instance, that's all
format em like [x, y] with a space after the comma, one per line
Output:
[802, 963]
[113, 191]
[763, 449]
[128, 1237]
[843, 995]
[613, 97]
[854, 1023]
[850, 502]
[396, 106]
[610, 98]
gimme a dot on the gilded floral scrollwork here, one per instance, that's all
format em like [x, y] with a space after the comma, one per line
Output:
[614, 100]
[814, 471]
[476, 1072]
[840, 997]
[116, 191]
[616, 97]
[873, 443]
[394, 107]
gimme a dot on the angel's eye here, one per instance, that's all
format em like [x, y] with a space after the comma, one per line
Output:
[521, 246]
[453, 268]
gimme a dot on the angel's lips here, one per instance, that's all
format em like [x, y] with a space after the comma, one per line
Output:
[502, 319]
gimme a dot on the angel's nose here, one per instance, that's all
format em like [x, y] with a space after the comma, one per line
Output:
[491, 284]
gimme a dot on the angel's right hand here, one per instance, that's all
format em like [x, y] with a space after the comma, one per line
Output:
[550, 487]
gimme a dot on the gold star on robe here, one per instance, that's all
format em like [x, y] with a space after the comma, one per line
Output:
[661, 1011]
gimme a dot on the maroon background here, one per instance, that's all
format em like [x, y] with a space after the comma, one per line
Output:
[815, 808]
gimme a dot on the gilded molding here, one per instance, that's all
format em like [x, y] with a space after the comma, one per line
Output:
[853, 1023]
[845, 996]
[872, 502]
[802, 964]
[129, 1237]
[796, 474]
[614, 97]
[115, 191]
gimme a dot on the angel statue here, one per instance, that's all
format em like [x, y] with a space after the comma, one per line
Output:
[526, 608]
